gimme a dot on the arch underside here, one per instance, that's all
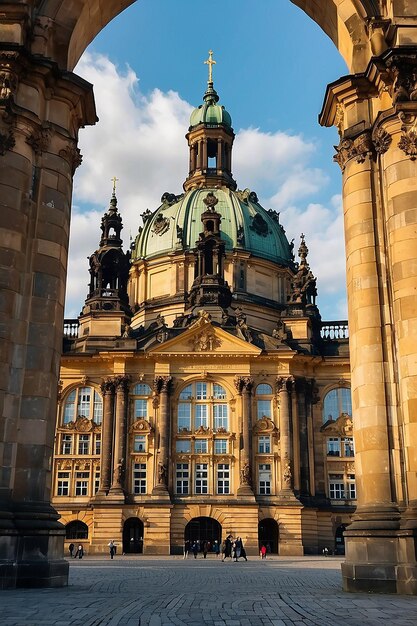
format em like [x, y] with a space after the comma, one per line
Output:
[77, 23]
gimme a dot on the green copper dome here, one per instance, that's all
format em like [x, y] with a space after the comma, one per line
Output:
[245, 225]
[210, 112]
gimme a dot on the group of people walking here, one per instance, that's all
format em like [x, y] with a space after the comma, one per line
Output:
[230, 548]
[233, 549]
[79, 552]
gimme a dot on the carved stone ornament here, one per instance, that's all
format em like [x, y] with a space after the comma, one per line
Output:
[381, 140]
[162, 474]
[245, 475]
[202, 430]
[247, 196]
[282, 383]
[8, 77]
[39, 140]
[243, 384]
[142, 426]
[287, 474]
[160, 225]
[408, 141]
[210, 201]
[7, 142]
[342, 427]
[72, 155]
[81, 424]
[162, 384]
[206, 341]
[265, 425]
[358, 148]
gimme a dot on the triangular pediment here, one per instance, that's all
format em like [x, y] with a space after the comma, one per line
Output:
[202, 338]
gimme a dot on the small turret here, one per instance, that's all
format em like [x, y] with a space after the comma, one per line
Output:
[106, 310]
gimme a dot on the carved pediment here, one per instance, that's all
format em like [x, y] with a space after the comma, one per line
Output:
[82, 425]
[142, 426]
[203, 430]
[64, 465]
[342, 427]
[265, 425]
[202, 338]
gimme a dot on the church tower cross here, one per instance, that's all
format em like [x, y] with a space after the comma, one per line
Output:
[210, 62]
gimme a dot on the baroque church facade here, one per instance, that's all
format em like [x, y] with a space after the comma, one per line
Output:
[201, 393]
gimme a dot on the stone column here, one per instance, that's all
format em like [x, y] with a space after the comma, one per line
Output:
[108, 391]
[371, 539]
[219, 154]
[244, 385]
[41, 110]
[295, 436]
[204, 163]
[119, 456]
[162, 387]
[285, 435]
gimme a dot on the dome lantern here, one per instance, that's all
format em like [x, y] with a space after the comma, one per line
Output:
[210, 140]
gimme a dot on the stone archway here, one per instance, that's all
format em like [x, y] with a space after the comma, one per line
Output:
[133, 530]
[42, 108]
[203, 529]
[268, 535]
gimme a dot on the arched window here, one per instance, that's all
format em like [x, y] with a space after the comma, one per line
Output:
[83, 402]
[142, 393]
[336, 402]
[263, 395]
[203, 404]
[76, 530]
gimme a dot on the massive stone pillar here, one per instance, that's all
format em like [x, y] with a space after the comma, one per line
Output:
[162, 386]
[41, 110]
[244, 385]
[377, 154]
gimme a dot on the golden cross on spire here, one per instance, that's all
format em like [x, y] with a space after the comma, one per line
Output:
[114, 181]
[210, 62]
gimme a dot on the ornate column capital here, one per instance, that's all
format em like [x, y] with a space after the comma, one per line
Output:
[107, 386]
[358, 148]
[121, 383]
[162, 384]
[243, 384]
[283, 383]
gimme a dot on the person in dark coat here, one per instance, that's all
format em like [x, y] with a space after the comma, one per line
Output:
[227, 548]
[204, 549]
[71, 549]
[195, 549]
[79, 553]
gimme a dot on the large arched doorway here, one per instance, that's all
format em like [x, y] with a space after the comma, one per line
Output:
[268, 535]
[133, 536]
[203, 529]
[76, 530]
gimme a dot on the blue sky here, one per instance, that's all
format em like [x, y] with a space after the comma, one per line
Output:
[273, 65]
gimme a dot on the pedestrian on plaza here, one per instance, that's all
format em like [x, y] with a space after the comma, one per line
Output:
[195, 549]
[204, 549]
[263, 551]
[326, 551]
[227, 548]
[112, 548]
[71, 549]
[216, 548]
[237, 548]
[243, 551]
[186, 548]
[79, 552]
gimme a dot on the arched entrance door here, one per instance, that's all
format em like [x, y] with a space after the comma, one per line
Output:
[268, 535]
[203, 529]
[133, 536]
[339, 540]
[76, 530]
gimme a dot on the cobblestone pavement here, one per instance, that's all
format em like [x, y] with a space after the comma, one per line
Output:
[145, 591]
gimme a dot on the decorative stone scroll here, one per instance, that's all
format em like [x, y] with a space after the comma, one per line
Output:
[381, 140]
[358, 148]
[408, 141]
[72, 155]
[39, 140]
[243, 384]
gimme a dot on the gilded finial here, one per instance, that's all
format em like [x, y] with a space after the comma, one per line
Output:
[210, 62]
[114, 181]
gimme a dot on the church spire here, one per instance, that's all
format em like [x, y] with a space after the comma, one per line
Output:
[210, 139]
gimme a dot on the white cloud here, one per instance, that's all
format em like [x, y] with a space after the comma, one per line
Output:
[140, 139]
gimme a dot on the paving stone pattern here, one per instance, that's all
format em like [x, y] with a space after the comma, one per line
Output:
[145, 591]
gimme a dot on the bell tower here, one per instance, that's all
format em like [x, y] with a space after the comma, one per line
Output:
[106, 310]
[210, 140]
